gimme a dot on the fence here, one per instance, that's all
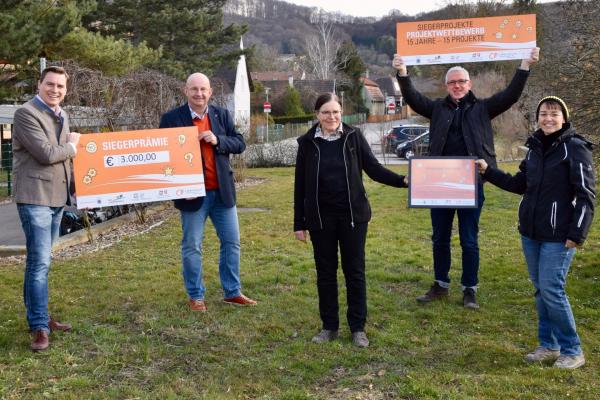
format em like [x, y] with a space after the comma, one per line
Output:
[278, 132]
[5, 168]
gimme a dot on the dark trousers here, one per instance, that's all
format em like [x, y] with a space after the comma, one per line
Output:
[468, 230]
[351, 242]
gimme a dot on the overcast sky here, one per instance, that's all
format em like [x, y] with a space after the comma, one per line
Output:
[377, 8]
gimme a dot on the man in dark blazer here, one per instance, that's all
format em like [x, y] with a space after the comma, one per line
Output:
[218, 138]
[42, 151]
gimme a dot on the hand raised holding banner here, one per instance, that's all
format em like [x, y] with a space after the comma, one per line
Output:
[533, 58]
[398, 63]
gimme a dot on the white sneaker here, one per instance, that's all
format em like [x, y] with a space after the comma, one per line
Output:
[542, 354]
[570, 362]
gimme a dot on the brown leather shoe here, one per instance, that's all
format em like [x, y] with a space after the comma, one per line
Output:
[240, 300]
[435, 293]
[197, 305]
[40, 340]
[58, 326]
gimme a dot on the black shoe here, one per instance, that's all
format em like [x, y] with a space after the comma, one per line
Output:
[436, 292]
[469, 300]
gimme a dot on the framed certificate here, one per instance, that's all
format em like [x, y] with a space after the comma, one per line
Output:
[442, 182]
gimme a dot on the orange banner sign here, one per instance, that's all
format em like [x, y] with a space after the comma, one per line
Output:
[466, 40]
[438, 182]
[138, 167]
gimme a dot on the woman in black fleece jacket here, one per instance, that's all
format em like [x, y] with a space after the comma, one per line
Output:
[330, 202]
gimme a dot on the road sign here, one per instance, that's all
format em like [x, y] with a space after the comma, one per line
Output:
[267, 106]
[391, 108]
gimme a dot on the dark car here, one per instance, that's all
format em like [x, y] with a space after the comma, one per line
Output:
[418, 146]
[399, 134]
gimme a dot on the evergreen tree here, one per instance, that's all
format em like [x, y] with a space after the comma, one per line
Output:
[102, 53]
[292, 103]
[353, 68]
[28, 27]
[190, 33]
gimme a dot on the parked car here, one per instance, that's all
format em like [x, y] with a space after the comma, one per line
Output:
[399, 134]
[418, 146]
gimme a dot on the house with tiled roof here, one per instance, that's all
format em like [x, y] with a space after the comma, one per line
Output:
[372, 96]
[390, 88]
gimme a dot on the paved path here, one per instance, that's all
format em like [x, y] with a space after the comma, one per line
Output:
[11, 233]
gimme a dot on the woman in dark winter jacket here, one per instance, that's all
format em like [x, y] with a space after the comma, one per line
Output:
[557, 182]
[330, 202]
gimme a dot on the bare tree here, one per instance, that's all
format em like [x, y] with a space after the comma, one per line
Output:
[570, 68]
[322, 50]
[133, 101]
[511, 127]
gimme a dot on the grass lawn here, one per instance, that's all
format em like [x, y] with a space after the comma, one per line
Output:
[134, 338]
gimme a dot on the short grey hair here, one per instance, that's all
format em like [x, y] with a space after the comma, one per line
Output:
[456, 68]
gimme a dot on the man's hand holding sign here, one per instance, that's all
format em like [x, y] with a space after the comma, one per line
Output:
[534, 56]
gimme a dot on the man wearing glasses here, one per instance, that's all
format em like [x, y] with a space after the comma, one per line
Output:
[460, 125]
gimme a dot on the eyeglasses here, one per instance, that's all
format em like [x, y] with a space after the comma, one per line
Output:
[335, 113]
[461, 82]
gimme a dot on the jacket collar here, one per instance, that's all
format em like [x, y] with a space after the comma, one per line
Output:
[37, 100]
[467, 100]
[186, 116]
[568, 133]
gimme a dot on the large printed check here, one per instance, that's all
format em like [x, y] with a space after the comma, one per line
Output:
[138, 166]
[466, 40]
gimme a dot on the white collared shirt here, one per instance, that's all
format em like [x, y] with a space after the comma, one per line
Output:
[330, 137]
[196, 115]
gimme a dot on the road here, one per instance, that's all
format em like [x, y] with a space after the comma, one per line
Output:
[11, 233]
[374, 132]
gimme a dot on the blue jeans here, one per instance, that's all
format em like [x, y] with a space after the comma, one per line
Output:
[226, 224]
[41, 225]
[468, 230]
[548, 264]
